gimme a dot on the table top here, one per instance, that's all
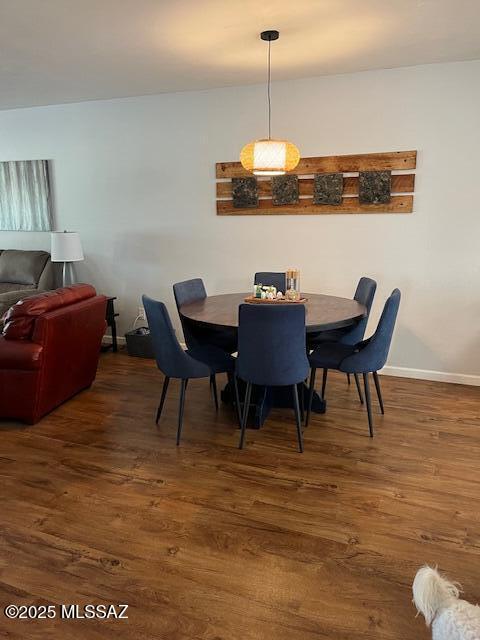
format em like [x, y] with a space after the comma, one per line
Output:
[323, 312]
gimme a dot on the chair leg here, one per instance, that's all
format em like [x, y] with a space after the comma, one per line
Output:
[302, 401]
[238, 406]
[162, 399]
[298, 418]
[248, 392]
[379, 391]
[311, 390]
[357, 382]
[348, 379]
[180, 409]
[369, 403]
[213, 385]
[324, 383]
[310, 395]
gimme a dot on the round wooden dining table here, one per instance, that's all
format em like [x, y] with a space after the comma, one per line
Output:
[322, 313]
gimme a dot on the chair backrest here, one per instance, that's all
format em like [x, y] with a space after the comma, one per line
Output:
[271, 344]
[189, 291]
[171, 358]
[374, 355]
[274, 278]
[364, 294]
[186, 292]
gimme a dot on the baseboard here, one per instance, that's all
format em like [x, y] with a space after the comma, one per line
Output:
[400, 372]
[107, 339]
[435, 376]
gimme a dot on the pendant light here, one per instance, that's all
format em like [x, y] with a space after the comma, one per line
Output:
[268, 156]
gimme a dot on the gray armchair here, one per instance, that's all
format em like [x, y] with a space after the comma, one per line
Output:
[23, 274]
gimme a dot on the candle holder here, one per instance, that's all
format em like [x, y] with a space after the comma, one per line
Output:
[292, 277]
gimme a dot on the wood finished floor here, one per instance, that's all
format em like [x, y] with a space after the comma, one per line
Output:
[206, 542]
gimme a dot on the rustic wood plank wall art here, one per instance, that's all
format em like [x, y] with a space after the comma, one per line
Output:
[364, 183]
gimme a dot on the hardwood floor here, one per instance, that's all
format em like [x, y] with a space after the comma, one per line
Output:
[207, 542]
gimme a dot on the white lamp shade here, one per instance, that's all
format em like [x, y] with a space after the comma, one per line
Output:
[66, 247]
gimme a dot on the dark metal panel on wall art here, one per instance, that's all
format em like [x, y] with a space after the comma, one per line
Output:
[374, 187]
[284, 189]
[244, 193]
[328, 188]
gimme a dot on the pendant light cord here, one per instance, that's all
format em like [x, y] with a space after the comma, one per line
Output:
[268, 95]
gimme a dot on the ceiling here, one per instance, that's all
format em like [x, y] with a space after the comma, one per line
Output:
[56, 51]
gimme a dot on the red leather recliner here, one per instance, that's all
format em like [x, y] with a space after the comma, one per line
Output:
[49, 350]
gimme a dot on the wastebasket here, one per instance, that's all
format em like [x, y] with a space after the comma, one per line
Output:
[139, 343]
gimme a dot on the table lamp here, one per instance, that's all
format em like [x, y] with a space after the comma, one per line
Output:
[67, 248]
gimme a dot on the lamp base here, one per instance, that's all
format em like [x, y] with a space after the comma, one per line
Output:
[68, 274]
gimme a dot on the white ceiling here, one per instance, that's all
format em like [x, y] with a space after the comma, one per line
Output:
[55, 51]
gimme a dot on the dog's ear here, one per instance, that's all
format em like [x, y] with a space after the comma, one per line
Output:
[432, 592]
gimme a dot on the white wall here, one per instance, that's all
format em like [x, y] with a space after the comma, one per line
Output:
[136, 178]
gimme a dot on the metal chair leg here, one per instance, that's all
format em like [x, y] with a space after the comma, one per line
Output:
[162, 399]
[302, 401]
[213, 384]
[369, 403]
[379, 391]
[348, 379]
[310, 395]
[298, 418]
[357, 382]
[238, 406]
[248, 392]
[180, 409]
[324, 382]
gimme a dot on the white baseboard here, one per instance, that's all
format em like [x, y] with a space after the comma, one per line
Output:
[400, 372]
[108, 339]
[435, 376]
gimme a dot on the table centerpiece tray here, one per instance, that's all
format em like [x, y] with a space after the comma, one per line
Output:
[283, 300]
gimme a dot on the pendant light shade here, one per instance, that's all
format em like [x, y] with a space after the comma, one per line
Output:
[269, 157]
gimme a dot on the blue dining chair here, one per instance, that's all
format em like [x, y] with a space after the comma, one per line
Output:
[198, 362]
[366, 356]
[195, 335]
[276, 279]
[364, 294]
[272, 353]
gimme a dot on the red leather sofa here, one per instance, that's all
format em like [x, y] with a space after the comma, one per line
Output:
[49, 350]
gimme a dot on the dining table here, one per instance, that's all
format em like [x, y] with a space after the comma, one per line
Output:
[323, 313]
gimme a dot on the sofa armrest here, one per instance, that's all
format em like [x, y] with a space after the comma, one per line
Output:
[20, 355]
[47, 279]
[9, 298]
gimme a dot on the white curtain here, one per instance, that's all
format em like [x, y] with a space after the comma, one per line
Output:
[25, 196]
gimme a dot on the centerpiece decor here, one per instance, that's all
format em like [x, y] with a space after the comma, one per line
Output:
[268, 156]
[293, 285]
[268, 294]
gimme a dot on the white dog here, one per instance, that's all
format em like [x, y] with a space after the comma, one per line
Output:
[437, 599]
